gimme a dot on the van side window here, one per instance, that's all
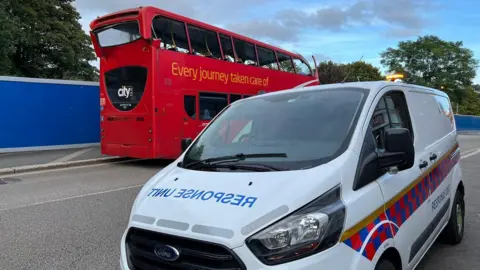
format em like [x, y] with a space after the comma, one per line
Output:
[446, 109]
[390, 112]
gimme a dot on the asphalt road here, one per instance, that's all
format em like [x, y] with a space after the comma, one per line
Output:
[74, 218]
[16, 159]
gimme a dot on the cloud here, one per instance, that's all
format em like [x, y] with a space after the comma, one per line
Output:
[215, 11]
[402, 18]
[275, 30]
[320, 57]
[342, 30]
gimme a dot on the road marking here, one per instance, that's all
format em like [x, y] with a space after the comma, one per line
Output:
[70, 198]
[470, 153]
[71, 156]
[74, 167]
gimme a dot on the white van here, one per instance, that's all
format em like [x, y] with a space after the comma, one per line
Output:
[344, 176]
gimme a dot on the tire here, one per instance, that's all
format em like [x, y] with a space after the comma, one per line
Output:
[385, 265]
[453, 232]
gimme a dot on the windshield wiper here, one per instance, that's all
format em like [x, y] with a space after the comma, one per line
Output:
[248, 167]
[245, 167]
[237, 157]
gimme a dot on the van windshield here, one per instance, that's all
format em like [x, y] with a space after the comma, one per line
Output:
[309, 128]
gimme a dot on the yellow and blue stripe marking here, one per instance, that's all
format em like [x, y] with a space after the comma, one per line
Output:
[367, 236]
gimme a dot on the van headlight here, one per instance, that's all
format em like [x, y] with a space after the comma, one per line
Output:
[311, 229]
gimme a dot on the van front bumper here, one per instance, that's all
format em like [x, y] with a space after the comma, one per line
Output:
[338, 257]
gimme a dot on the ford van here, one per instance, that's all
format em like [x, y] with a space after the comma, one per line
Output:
[362, 175]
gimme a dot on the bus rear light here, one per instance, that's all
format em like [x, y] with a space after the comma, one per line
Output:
[150, 131]
[150, 140]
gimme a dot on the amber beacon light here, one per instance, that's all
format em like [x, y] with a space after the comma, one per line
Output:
[395, 77]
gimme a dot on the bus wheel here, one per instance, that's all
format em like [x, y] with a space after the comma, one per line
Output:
[385, 264]
[453, 232]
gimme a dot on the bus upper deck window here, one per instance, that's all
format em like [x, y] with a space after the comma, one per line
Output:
[204, 42]
[172, 34]
[266, 58]
[245, 52]
[227, 48]
[301, 67]
[285, 62]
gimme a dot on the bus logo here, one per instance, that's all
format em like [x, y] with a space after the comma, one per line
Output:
[125, 91]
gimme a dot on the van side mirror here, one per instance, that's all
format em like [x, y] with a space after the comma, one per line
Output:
[186, 143]
[399, 150]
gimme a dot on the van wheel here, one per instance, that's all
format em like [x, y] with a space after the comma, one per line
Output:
[385, 264]
[453, 232]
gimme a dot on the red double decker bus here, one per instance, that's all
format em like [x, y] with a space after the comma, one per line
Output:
[163, 77]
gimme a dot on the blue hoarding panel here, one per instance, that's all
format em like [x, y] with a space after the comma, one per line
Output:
[38, 113]
[467, 123]
[43, 114]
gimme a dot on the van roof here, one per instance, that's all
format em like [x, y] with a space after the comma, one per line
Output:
[373, 86]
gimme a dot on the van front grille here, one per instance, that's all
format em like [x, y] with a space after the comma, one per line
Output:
[194, 254]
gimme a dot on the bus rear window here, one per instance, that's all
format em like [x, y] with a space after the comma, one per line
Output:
[118, 34]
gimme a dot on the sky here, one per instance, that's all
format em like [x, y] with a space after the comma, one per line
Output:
[338, 30]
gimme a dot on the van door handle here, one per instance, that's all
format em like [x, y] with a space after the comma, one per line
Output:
[423, 164]
[433, 157]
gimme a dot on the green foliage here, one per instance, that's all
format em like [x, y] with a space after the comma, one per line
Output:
[361, 71]
[7, 38]
[470, 104]
[44, 40]
[476, 87]
[287, 66]
[432, 62]
[330, 72]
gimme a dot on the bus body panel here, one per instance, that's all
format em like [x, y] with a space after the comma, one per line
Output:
[126, 100]
[190, 75]
[152, 123]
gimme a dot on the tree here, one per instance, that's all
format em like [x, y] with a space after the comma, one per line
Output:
[476, 88]
[287, 66]
[330, 72]
[47, 41]
[7, 37]
[470, 104]
[361, 71]
[433, 62]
